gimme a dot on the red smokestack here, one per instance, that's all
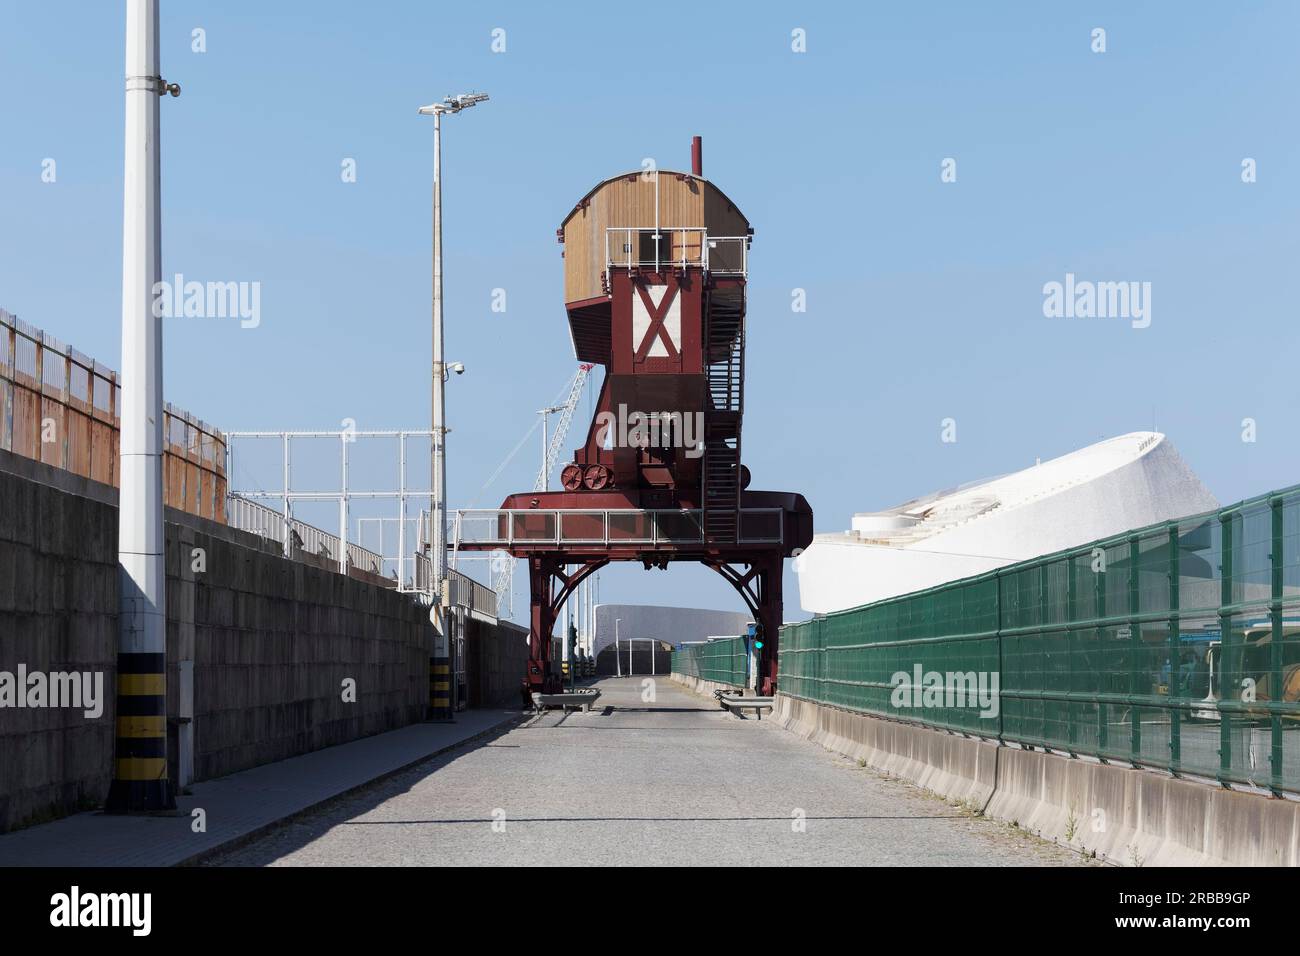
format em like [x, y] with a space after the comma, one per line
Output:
[697, 156]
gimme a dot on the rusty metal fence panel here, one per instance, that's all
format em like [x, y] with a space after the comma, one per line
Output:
[59, 407]
[1175, 646]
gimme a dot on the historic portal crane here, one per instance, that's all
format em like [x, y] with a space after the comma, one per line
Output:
[655, 272]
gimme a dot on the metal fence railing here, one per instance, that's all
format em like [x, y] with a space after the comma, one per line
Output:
[723, 660]
[60, 407]
[664, 247]
[1175, 646]
[462, 590]
[252, 516]
[526, 527]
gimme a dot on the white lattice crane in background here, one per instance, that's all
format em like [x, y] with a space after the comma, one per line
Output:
[551, 448]
[503, 565]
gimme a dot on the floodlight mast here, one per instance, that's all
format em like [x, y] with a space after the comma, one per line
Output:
[438, 506]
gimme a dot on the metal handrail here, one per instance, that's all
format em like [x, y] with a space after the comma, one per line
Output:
[659, 526]
[247, 515]
[51, 380]
[462, 590]
[630, 257]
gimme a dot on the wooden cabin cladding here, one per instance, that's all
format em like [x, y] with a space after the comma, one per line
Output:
[685, 201]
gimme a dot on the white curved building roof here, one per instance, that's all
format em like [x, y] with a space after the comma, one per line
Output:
[1107, 488]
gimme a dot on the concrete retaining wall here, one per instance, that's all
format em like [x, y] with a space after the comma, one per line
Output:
[1125, 815]
[958, 768]
[272, 641]
[58, 612]
[496, 661]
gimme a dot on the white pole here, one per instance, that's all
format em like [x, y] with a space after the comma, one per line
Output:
[142, 783]
[401, 513]
[618, 660]
[546, 479]
[343, 511]
[656, 226]
[288, 507]
[439, 516]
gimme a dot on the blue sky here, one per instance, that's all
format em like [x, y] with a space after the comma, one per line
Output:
[924, 298]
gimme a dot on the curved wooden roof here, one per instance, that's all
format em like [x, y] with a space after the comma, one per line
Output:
[663, 173]
[637, 201]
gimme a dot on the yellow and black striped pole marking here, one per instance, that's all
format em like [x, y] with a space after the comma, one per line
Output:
[440, 688]
[140, 771]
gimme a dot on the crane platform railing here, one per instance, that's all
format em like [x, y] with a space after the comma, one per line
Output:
[671, 528]
[629, 248]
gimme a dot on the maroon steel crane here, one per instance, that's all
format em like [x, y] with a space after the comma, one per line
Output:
[655, 272]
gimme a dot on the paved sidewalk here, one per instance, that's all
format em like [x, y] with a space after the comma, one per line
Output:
[243, 804]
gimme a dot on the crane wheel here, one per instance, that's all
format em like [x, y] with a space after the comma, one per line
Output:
[571, 477]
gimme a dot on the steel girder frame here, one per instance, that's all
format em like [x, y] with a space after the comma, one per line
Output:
[755, 574]
[760, 586]
[545, 569]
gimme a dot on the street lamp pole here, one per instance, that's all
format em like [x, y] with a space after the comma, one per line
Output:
[140, 779]
[441, 669]
[439, 383]
[438, 506]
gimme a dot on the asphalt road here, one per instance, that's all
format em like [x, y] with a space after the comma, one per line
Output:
[672, 781]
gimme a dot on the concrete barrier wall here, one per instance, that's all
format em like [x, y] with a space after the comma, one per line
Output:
[58, 612]
[496, 661]
[272, 641]
[703, 687]
[1127, 816]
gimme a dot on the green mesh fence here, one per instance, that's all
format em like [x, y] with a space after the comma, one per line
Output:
[1175, 646]
[724, 661]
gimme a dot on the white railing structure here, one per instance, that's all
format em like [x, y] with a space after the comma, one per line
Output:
[522, 527]
[266, 522]
[344, 494]
[652, 248]
[408, 567]
[462, 590]
[380, 535]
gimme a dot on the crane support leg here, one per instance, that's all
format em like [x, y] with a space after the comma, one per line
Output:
[545, 572]
[760, 586]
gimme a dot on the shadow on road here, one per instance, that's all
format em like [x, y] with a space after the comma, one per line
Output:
[264, 847]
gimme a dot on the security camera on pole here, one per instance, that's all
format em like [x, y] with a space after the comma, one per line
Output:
[440, 703]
